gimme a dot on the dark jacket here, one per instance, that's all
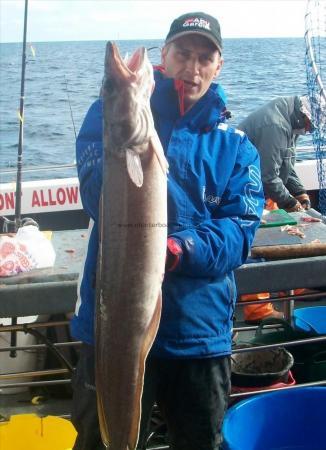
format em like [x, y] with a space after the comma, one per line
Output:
[270, 129]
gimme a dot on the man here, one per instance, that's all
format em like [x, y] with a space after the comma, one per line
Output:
[274, 129]
[215, 201]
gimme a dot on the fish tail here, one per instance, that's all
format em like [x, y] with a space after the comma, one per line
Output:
[102, 422]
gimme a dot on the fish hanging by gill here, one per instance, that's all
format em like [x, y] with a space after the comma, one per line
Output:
[133, 234]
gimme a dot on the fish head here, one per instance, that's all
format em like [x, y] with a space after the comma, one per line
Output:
[127, 88]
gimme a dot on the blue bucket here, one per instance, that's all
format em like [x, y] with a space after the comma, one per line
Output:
[289, 419]
[311, 320]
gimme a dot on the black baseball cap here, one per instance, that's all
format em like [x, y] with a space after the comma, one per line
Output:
[199, 23]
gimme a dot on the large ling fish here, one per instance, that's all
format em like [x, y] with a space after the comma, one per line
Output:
[133, 235]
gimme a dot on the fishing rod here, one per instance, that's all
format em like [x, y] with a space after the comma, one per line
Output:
[71, 114]
[18, 221]
[21, 129]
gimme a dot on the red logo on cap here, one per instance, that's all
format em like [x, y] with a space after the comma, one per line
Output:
[198, 23]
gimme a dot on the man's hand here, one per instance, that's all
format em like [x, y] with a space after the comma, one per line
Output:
[297, 207]
[173, 254]
[304, 201]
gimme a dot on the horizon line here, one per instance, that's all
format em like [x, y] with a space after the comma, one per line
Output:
[147, 39]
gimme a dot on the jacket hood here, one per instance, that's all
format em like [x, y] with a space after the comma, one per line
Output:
[297, 118]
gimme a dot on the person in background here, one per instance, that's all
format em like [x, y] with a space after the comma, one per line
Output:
[274, 129]
[215, 202]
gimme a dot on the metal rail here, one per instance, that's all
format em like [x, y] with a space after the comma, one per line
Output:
[253, 348]
[26, 326]
[34, 373]
[310, 296]
[40, 169]
[36, 347]
[246, 394]
[35, 383]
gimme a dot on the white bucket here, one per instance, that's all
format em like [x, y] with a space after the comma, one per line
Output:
[25, 360]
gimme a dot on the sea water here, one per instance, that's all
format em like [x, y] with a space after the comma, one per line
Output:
[63, 79]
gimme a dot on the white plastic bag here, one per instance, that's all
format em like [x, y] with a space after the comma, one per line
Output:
[28, 249]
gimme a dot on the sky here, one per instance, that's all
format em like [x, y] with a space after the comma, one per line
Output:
[80, 20]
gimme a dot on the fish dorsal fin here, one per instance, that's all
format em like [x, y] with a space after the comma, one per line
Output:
[134, 167]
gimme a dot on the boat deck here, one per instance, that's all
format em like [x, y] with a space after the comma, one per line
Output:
[47, 292]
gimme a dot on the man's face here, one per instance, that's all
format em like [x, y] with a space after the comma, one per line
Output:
[196, 61]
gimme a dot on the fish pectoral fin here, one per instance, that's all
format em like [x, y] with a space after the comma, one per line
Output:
[159, 152]
[134, 167]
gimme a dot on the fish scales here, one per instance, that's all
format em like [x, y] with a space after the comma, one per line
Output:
[132, 251]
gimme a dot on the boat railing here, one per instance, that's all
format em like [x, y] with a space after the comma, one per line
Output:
[31, 327]
[32, 173]
[10, 171]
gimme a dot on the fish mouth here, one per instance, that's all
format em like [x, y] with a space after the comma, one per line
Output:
[119, 69]
[137, 59]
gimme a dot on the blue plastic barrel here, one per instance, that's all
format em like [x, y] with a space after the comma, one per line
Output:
[311, 319]
[292, 419]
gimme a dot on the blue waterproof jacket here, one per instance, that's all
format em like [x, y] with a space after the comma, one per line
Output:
[215, 201]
